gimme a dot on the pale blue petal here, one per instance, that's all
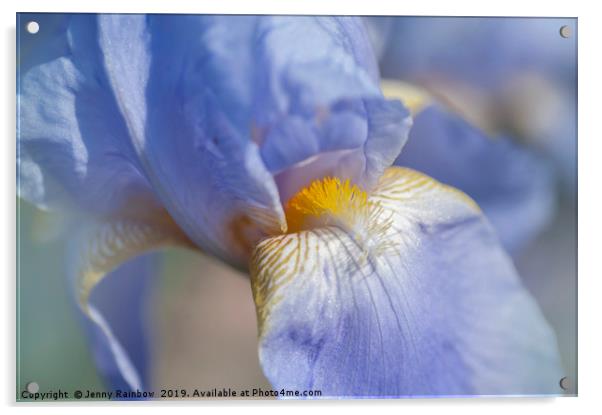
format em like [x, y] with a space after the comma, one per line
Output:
[513, 185]
[120, 325]
[309, 62]
[441, 312]
[323, 85]
[206, 171]
[73, 147]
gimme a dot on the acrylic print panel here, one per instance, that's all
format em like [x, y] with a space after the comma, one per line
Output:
[273, 207]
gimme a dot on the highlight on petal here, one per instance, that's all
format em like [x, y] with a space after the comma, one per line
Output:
[112, 312]
[440, 312]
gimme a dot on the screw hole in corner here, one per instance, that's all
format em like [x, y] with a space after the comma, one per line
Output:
[565, 31]
[564, 383]
[33, 387]
[32, 27]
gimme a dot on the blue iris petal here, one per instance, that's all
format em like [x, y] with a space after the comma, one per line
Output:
[198, 160]
[513, 185]
[120, 304]
[323, 85]
[439, 311]
[73, 146]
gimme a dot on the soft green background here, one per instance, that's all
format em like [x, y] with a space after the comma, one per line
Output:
[51, 347]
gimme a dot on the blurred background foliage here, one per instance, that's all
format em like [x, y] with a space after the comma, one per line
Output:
[51, 346]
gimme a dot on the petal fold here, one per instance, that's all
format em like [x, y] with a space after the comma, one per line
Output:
[73, 147]
[118, 324]
[111, 295]
[426, 304]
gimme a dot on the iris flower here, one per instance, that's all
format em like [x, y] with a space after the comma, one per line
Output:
[266, 142]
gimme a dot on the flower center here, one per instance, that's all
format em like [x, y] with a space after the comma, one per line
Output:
[330, 202]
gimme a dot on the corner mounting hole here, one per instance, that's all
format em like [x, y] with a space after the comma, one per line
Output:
[33, 27]
[33, 387]
[564, 383]
[565, 31]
